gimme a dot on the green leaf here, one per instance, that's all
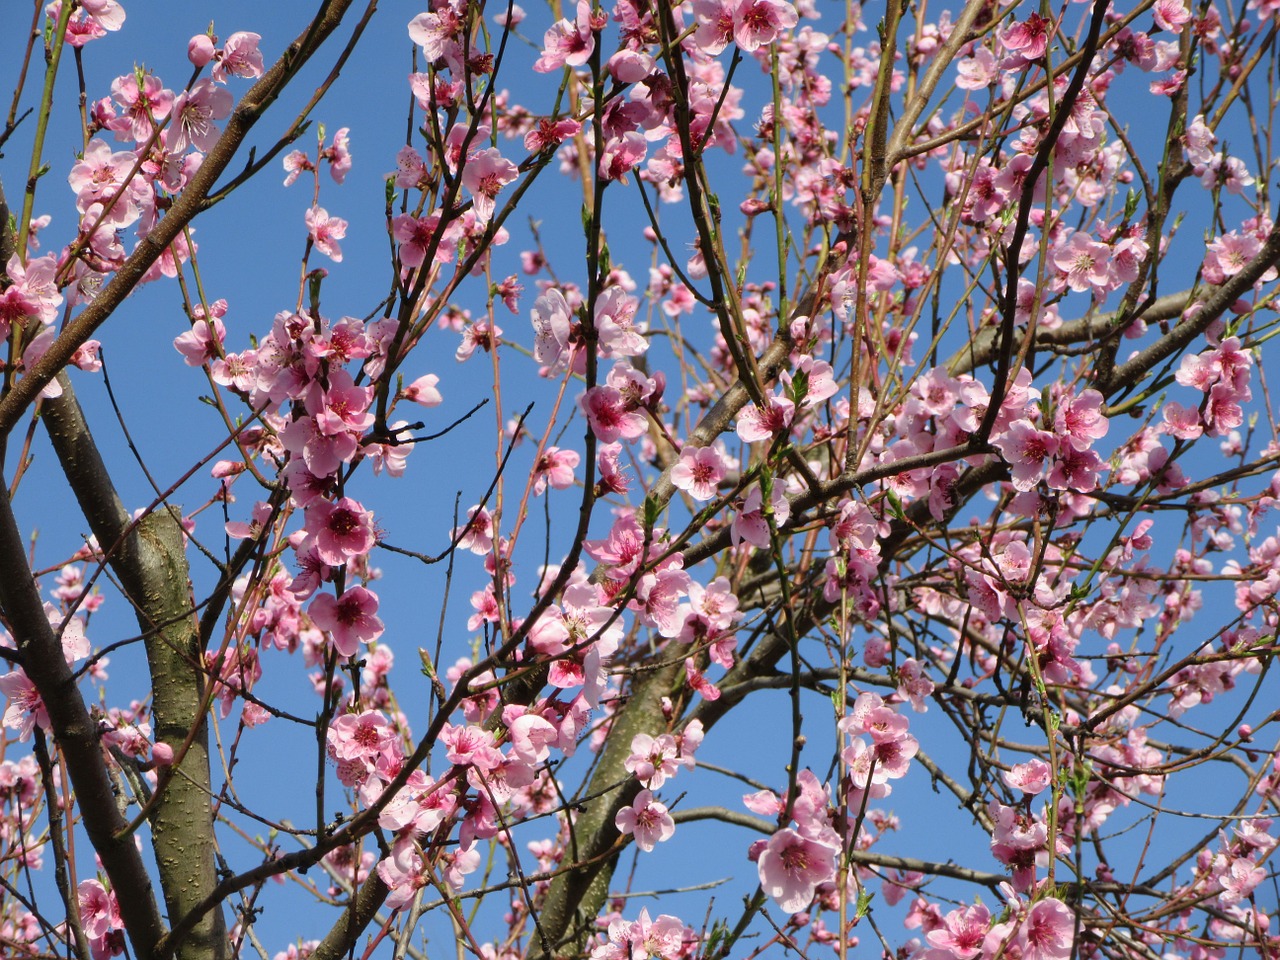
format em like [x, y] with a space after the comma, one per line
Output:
[652, 509]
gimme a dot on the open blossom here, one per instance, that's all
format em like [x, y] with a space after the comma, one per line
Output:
[615, 315]
[25, 709]
[339, 531]
[791, 867]
[325, 232]
[698, 472]
[350, 618]
[647, 820]
[751, 24]
[608, 416]
[552, 326]
[484, 174]
[653, 760]
[191, 123]
[1031, 777]
[755, 424]
[555, 468]
[239, 57]
[622, 154]
[963, 932]
[1028, 38]
[1026, 450]
[1084, 261]
[1048, 931]
[568, 43]
[977, 71]
[750, 523]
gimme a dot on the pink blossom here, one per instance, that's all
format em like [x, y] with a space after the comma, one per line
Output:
[963, 932]
[755, 424]
[99, 912]
[750, 524]
[612, 479]
[549, 134]
[1171, 14]
[977, 71]
[608, 417]
[552, 326]
[194, 111]
[33, 291]
[1048, 931]
[203, 342]
[107, 13]
[1031, 777]
[435, 32]
[1079, 418]
[621, 155]
[698, 472]
[339, 531]
[658, 597]
[365, 737]
[484, 174]
[1084, 261]
[423, 391]
[338, 154]
[410, 170]
[1238, 877]
[1025, 449]
[143, 105]
[653, 760]
[295, 163]
[349, 619]
[1228, 172]
[554, 468]
[470, 745]
[791, 867]
[1180, 422]
[647, 820]
[25, 709]
[325, 232]
[239, 57]
[615, 315]
[568, 43]
[715, 25]
[818, 379]
[760, 22]
[1028, 38]
[1076, 470]
[200, 50]
[99, 176]
[698, 681]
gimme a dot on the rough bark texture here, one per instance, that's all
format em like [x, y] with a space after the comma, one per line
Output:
[576, 897]
[77, 737]
[150, 562]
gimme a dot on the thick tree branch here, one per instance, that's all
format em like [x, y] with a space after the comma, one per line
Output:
[77, 737]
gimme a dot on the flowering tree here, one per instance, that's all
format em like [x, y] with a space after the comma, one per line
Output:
[963, 491]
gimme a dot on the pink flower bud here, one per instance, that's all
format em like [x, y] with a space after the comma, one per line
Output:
[200, 49]
[162, 755]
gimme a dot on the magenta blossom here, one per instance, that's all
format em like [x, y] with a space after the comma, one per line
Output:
[349, 619]
[339, 531]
